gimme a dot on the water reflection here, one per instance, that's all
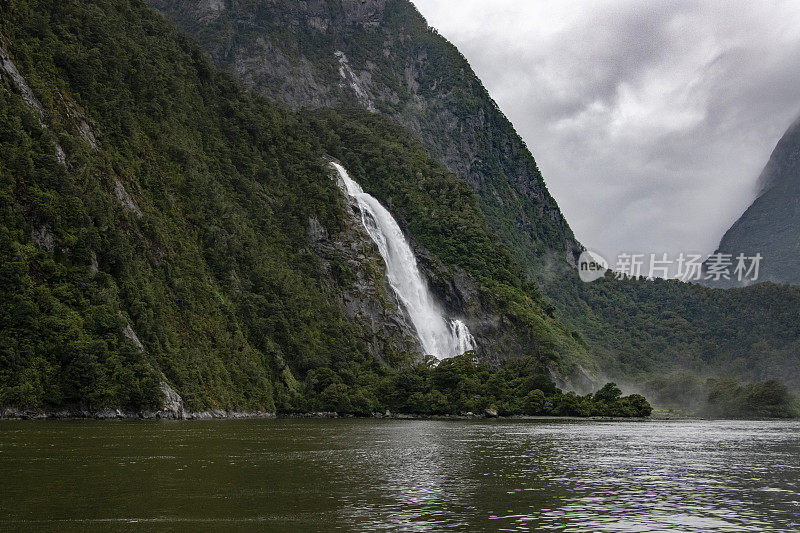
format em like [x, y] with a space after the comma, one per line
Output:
[409, 475]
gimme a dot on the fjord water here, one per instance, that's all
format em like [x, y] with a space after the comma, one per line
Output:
[438, 336]
[358, 474]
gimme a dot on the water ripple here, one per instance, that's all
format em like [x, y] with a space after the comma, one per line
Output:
[681, 476]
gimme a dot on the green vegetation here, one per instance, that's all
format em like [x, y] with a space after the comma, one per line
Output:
[214, 277]
[640, 329]
[462, 385]
[444, 215]
[416, 77]
[632, 331]
[769, 399]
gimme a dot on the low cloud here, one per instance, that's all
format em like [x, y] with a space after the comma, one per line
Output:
[650, 121]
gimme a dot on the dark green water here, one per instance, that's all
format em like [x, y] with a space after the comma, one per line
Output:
[296, 475]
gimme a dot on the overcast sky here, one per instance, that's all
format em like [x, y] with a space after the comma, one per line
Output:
[650, 121]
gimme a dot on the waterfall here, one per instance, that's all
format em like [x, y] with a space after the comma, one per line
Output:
[439, 337]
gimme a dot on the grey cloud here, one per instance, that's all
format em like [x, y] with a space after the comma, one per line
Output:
[650, 121]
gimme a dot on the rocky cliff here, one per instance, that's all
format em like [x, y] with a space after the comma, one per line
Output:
[349, 259]
[382, 56]
[771, 225]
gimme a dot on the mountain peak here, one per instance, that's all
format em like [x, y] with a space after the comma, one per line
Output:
[771, 225]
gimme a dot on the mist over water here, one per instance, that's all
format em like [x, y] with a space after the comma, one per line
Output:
[439, 337]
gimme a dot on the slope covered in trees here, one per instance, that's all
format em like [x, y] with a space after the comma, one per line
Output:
[642, 330]
[156, 225]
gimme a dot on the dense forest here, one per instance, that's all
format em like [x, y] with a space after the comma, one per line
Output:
[646, 329]
[462, 386]
[202, 264]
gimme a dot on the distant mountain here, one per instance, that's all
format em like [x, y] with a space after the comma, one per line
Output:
[771, 225]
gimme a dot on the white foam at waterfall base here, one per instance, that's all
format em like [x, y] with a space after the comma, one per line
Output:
[439, 337]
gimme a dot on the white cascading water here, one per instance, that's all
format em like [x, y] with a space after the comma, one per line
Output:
[438, 336]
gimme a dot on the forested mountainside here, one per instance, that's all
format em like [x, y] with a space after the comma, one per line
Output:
[382, 56]
[648, 334]
[165, 232]
[771, 225]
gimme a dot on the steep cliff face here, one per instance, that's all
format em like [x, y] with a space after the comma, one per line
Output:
[350, 260]
[771, 225]
[381, 55]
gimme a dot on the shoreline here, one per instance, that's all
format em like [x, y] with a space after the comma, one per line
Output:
[11, 413]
